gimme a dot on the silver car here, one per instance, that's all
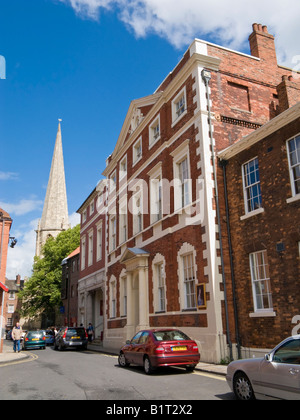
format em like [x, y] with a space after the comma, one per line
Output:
[276, 376]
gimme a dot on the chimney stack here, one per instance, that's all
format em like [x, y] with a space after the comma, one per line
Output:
[262, 44]
[288, 93]
[18, 279]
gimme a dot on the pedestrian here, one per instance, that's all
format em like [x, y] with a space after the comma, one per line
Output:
[90, 332]
[16, 336]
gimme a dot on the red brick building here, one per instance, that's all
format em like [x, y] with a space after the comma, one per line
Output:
[91, 284]
[166, 265]
[12, 314]
[262, 173]
[5, 225]
[69, 291]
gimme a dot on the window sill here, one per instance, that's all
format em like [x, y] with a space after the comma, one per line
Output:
[252, 213]
[263, 314]
[153, 142]
[293, 199]
[177, 119]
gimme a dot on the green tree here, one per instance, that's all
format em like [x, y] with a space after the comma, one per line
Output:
[42, 292]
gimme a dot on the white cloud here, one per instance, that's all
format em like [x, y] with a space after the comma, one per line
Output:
[74, 219]
[228, 22]
[23, 207]
[4, 176]
[20, 258]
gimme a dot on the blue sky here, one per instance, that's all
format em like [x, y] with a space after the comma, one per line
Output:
[84, 61]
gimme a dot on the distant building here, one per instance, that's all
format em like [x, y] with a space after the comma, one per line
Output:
[13, 304]
[92, 281]
[55, 218]
[5, 225]
[69, 289]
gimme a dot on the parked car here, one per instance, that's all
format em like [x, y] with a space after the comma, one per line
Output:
[276, 376]
[23, 335]
[34, 339]
[157, 348]
[8, 335]
[49, 337]
[68, 337]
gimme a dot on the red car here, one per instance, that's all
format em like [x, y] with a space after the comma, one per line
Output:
[158, 348]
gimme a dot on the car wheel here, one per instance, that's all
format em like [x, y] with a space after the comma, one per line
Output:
[122, 360]
[190, 368]
[242, 387]
[147, 366]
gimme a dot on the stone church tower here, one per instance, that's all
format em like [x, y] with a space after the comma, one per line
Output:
[55, 217]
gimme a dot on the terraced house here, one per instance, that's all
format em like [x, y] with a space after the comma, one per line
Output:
[166, 265]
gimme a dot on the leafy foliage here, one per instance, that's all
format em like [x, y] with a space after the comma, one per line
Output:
[42, 292]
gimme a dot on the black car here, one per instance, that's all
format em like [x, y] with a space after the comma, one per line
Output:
[71, 337]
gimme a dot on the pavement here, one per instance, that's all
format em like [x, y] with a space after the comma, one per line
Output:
[8, 356]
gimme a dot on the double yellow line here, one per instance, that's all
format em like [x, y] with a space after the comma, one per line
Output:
[31, 358]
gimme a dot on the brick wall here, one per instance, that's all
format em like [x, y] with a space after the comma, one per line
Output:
[279, 223]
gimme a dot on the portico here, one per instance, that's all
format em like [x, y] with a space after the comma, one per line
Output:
[136, 263]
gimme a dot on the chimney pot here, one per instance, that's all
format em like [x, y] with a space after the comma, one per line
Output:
[265, 29]
[255, 27]
[260, 27]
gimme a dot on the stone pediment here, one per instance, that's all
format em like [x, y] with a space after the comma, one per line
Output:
[137, 112]
[132, 253]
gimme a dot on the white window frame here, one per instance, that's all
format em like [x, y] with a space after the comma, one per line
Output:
[113, 298]
[188, 265]
[123, 297]
[137, 213]
[123, 221]
[84, 216]
[10, 309]
[154, 131]
[156, 193]
[113, 181]
[92, 207]
[260, 279]
[99, 241]
[161, 287]
[91, 248]
[137, 151]
[182, 190]
[83, 252]
[112, 233]
[123, 167]
[249, 202]
[176, 115]
[293, 166]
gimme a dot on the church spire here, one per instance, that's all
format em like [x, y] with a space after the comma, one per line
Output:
[55, 213]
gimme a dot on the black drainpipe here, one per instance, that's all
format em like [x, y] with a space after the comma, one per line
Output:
[223, 164]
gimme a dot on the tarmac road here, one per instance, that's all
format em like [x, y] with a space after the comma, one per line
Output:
[85, 375]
